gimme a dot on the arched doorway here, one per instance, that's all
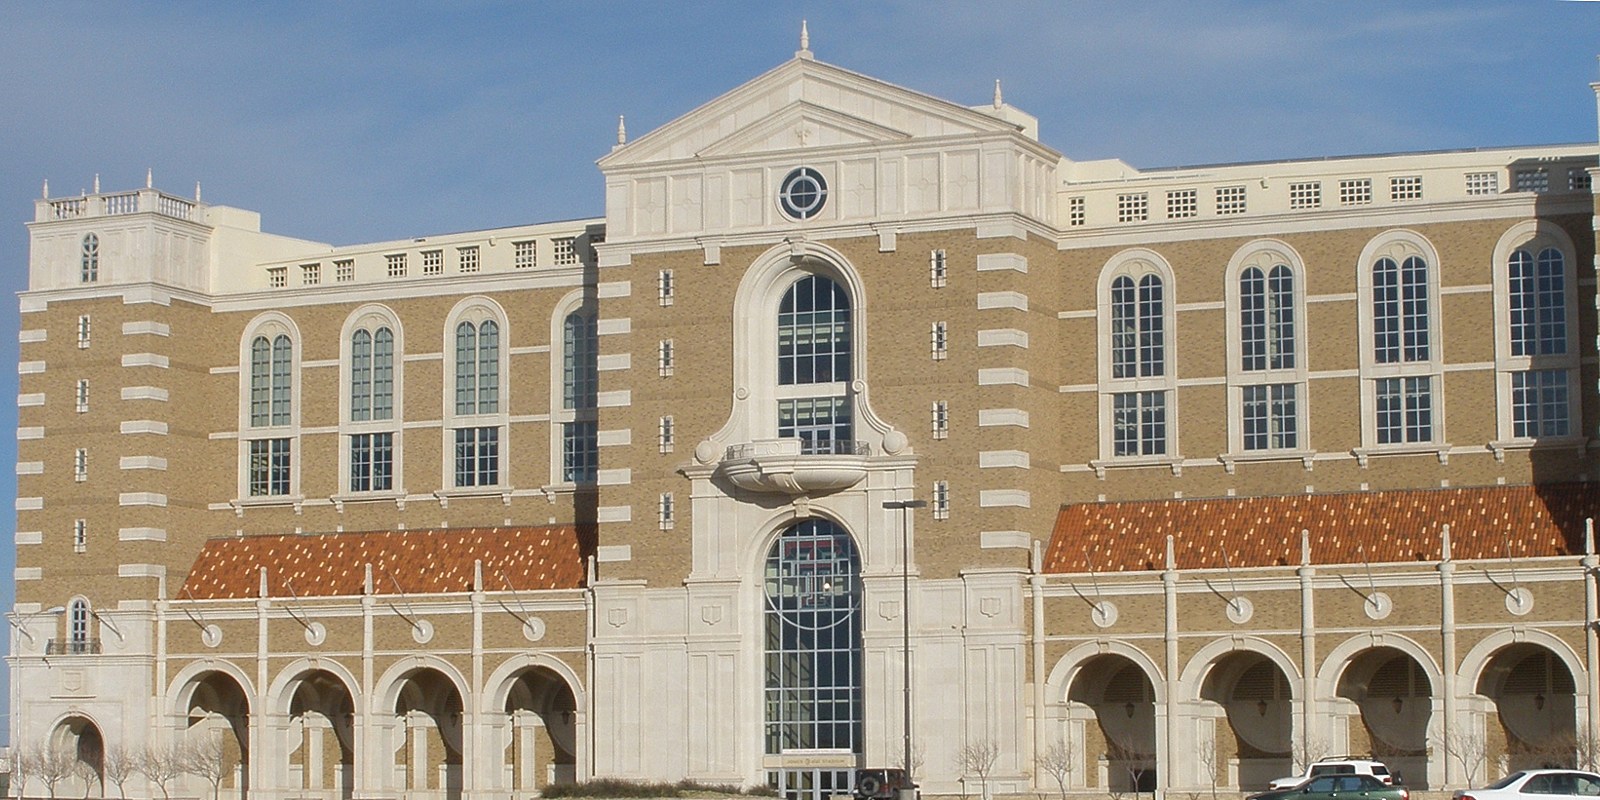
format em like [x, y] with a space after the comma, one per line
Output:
[812, 666]
[1535, 704]
[74, 759]
[1395, 698]
[216, 738]
[540, 741]
[1250, 702]
[428, 753]
[1119, 736]
[320, 739]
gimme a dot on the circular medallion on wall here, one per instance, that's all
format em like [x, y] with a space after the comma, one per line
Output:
[533, 629]
[1240, 610]
[1519, 601]
[211, 636]
[422, 631]
[802, 193]
[316, 634]
[1378, 605]
[1103, 613]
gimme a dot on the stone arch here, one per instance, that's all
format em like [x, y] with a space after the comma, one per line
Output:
[1522, 702]
[1384, 696]
[279, 697]
[77, 734]
[213, 703]
[421, 713]
[387, 690]
[535, 709]
[181, 689]
[1242, 690]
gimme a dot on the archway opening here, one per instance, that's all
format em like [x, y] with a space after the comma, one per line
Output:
[216, 739]
[73, 761]
[1120, 744]
[541, 741]
[429, 752]
[1395, 701]
[1535, 703]
[320, 739]
[1251, 709]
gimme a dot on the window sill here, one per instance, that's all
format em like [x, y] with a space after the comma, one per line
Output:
[1231, 460]
[1364, 454]
[1501, 446]
[1100, 465]
[269, 501]
[467, 492]
[398, 497]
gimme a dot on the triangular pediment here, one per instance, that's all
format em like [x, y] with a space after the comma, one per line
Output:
[834, 105]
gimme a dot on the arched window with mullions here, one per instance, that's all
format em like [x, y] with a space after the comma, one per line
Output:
[371, 431]
[1402, 364]
[78, 625]
[89, 259]
[271, 406]
[1264, 374]
[814, 366]
[1137, 384]
[1536, 353]
[580, 391]
[812, 619]
[477, 446]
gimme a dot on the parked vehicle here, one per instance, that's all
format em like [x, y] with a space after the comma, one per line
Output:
[881, 784]
[1338, 787]
[1547, 784]
[1338, 765]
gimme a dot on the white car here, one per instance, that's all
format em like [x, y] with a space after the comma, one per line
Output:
[1343, 765]
[1538, 784]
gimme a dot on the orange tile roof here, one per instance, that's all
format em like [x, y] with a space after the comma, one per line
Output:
[412, 562]
[1348, 528]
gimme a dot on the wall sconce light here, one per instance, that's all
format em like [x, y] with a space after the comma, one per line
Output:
[1399, 704]
[1128, 708]
[1538, 702]
[1261, 707]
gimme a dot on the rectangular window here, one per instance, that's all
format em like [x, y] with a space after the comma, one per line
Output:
[939, 338]
[467, 259]
[1405, 187]
[277, 277]
[478, 456]
[344, 270]
[1405, 410]
[372, 462]
[580, 451]
[665, 512]
[941, 419]
[1075, 212]
[1531, 180]
[1269, 417]
[1539, 404]
[566, 251]
[80, 465]
[1133, 207]
[310, 274]
[397, 265]
[83, 332]
[665, 435]
[1305, 195]
[1355, 192]
[80, 536]
[1183, 203]
[665, 288]
[1483, 183]
[1230, 200]
[524, 255]
[938, 269]
[941, 500]
[664, 358]
[1578, 179]
[1139, 423]
[433, 262]
[822, 424]
[83, 396]
[269, 467]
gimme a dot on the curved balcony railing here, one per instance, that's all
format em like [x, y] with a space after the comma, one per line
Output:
[795, 466]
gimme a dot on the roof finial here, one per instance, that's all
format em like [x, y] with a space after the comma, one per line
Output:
[805, 42]
[149, 177]
[622, 131]
[47, 188]
[97, 183]
[197, 191]
[997, 101]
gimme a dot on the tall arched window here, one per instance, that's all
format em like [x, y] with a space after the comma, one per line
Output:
[814, 366]
[1136, 376]
[78, 625]
[812, 620]
[477, 447]
[370, 432]
[89, 259]
[1536, 356]
[1400, 361]
[271, 398]
[580, 386]
[1265, 372]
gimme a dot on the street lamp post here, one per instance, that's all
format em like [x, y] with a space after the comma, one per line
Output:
[905, 506]
[20, 623]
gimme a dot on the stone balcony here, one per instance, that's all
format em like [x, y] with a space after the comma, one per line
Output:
[795, 466]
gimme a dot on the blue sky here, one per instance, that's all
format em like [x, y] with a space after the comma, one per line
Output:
[363, 121]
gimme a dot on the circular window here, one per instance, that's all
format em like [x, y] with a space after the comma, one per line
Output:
[803, 193]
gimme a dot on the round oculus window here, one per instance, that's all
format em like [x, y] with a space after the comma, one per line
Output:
[803, 193]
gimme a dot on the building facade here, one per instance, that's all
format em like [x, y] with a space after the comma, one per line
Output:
[1260, 462]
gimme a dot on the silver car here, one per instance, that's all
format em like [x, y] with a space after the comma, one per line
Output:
[1538, 784]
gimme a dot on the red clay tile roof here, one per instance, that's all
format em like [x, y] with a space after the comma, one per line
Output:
[420, 562]
[1388, 526]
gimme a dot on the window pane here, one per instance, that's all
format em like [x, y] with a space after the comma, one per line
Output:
[814, 340]
[1253, 319]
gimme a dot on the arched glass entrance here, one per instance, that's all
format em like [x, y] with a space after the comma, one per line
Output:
[812, 674]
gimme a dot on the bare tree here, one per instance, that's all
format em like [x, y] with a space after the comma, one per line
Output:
[1307, 751]
[118, 765]
[1056, 761]
[978, 759]
[915, 767]
[23, 761]
[208, 759]
[160, 764]
[1206, 756]
[89, 774]
[55, 764]
[1468, 749]
[1587, 750]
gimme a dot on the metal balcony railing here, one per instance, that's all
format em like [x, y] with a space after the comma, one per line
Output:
[72, 647]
